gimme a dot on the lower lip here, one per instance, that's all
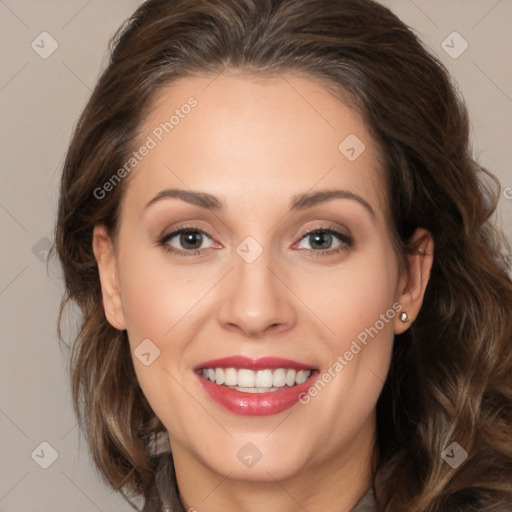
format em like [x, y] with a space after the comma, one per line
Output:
[256, 404]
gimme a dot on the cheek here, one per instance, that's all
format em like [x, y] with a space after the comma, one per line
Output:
[353, 297]
[162, 303]
[360, 307]
[158, 305]
[156, 296]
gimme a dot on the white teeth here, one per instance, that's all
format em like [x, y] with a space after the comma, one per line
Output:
[263, 379]
[219, 376]
[290, 377]
[279, 378]
[259, 381]
[230, 376]
[302, 376]
[245, 378]
[254, 390]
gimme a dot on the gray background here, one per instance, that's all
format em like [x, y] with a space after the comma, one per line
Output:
[41, 99]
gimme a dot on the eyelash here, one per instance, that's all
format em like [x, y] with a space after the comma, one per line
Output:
[346, 241]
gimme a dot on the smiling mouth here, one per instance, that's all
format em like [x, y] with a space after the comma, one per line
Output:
[256, 381]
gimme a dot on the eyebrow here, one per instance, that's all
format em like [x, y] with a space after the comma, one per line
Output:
[309, 200]
[201, 199]
[298, 202]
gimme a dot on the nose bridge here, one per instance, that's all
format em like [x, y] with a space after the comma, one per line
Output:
[255, 298]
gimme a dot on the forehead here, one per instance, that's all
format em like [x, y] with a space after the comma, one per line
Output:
[237, 135]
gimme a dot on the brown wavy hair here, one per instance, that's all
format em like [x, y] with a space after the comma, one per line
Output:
[450, 378]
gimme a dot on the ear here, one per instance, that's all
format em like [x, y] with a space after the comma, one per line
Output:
[413, 282]
[104, 252]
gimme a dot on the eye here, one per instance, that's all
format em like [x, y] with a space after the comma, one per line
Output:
[321, 241]
[190, 241]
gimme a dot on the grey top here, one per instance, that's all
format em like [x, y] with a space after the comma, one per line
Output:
[166, 499]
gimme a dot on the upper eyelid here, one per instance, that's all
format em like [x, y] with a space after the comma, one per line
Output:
[302, 234]
[173, 232]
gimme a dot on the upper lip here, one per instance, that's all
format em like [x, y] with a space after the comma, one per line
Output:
[253, 363]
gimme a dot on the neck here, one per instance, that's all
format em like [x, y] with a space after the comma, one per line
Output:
[334, 485]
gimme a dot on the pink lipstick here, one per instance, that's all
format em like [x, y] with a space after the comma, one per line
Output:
[255, 386]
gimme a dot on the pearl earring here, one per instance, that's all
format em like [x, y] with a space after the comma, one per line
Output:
[404, 317]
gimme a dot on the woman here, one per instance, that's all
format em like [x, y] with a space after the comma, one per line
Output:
[292, 294]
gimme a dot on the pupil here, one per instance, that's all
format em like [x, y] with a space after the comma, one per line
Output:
[318, 238]
[191, 238]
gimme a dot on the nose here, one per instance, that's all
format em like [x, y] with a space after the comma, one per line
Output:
[255, 299]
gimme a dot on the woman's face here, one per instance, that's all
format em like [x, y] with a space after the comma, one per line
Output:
[286, 280]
